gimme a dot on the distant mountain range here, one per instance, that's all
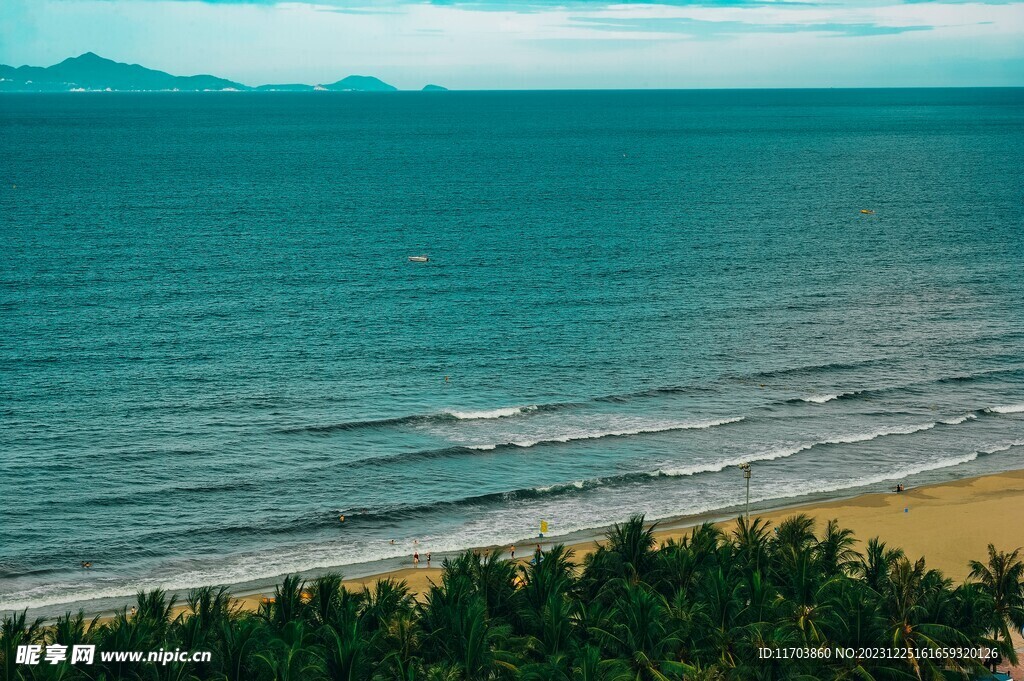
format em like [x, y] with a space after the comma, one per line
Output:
[91, 72]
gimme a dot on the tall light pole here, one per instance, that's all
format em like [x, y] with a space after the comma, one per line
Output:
[745, 467]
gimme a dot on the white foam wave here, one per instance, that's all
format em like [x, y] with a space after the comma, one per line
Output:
[820, 399]
[502, 412]
[686, 471]
[578, 484]
[1002, 448]
[1007, 409]
[958, 419]
[583, 434]
[882, 432]
[899, 474]
[783, 452]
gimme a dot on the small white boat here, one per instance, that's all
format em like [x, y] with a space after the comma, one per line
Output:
[418, 258]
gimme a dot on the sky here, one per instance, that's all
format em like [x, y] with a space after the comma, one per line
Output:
[538, 44]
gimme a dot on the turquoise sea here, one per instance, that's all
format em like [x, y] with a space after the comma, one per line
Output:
[213, 342]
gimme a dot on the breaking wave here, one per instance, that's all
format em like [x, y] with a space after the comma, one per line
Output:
[820, 399]
[1007, 409]
[600, 434]
[492, 413]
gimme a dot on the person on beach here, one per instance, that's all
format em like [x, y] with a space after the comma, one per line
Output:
[133, 611]
[512, 551]
[416, 559]
[428, 558]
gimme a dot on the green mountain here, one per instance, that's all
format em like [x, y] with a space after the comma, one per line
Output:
[360, 84]
[92, 72]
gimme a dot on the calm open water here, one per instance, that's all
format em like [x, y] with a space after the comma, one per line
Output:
[213, 342]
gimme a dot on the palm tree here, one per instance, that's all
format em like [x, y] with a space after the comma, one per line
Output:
[641, 634]
[288, 655]
[389, 600]
[401, 645]
[345, 653]
[287, 604]
[495, 582]
[73, 630]
[458, 632]
[750, 543]
[150, 628]
[834, 551]
[874, 566]
[237, 640]
[633, 546]
[548, 584]
[477, 646]
[722, 600]
[909, 624]
[155, 609]
[796, 533]
[323, 599]
[207, 608]
[553, 625]
[589, 666]
[1002, 579]
[806, 590]
[856, 621]
[15, 631]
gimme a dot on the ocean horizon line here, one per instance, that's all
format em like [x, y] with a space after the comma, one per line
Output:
[449, 91]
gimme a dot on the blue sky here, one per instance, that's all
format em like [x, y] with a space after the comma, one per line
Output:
[512, 44]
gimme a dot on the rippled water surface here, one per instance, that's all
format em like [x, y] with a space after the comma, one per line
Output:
[214, 343]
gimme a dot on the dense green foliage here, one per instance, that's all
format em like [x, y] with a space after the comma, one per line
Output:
[698, 609]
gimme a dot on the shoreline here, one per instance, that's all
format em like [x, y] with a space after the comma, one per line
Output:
[949, 523]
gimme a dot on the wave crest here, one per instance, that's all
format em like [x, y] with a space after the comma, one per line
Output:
[503, 412]
[1007, 409]
[783, 452]
[959, 419]
[820, 399]
[600, 434]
